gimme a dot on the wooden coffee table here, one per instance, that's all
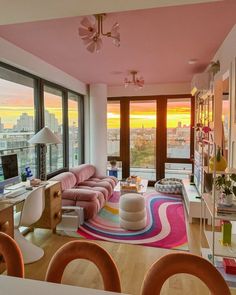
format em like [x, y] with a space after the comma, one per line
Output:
[142, 188]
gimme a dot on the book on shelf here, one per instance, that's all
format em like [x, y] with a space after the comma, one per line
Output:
[219, 264]
[221, 208]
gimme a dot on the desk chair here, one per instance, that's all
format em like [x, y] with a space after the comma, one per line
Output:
[85, 250]
[31, 212]
[176, 263]
[12, 256]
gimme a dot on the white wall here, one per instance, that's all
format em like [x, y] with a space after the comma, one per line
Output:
[15, 56]
[151, 89]
[98, 126]
[226, 53]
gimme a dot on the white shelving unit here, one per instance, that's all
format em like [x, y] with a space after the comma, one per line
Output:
[217, 250]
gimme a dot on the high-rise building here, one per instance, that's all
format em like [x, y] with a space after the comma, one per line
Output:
[24, 123]
[51, 121]
[1, 125]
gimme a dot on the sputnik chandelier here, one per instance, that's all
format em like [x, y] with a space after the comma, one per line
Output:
[91, 32]
[138, 82]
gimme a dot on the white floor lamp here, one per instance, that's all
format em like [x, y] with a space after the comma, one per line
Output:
[43, 137]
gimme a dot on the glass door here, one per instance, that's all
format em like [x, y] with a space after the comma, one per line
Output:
[142, 139]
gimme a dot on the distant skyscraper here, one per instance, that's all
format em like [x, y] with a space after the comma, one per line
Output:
[1, 125]
[179, 124]
[51, 121]
[24, 123]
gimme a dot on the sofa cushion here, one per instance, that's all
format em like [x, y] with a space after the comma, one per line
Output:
[90, 208]
[111, 179]
[103, 184]
[83, 172]
[67, 179]
[96, 189]
[79, 194]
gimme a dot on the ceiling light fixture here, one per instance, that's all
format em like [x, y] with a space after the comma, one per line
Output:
[192, 61]
[92, 31]
[138, 82]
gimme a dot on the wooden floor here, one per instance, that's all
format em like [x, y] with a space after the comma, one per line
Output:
[132, 261]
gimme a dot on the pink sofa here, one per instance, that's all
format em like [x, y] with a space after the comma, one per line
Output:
[81, 186]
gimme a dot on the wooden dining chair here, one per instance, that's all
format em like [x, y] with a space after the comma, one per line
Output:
[176, 263]
[12, 256]
[85, 250]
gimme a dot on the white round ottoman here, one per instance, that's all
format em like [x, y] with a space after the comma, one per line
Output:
[132, 211]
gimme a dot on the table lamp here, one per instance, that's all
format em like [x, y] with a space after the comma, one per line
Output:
[43, 137]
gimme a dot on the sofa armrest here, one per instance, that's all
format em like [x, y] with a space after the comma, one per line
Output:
[79, 195]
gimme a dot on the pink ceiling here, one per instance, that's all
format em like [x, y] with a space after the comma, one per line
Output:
[157, 42]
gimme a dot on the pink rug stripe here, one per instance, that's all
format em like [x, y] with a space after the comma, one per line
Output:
[166, 225]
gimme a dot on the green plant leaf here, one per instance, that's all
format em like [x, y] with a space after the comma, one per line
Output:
[234, 190]
[218, 154]
[233, 177]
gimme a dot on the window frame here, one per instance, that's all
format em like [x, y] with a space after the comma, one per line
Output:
[161, 132]
[39, 84]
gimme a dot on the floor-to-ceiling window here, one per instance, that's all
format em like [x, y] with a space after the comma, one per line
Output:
[151, 136]
[178, 137]
[53, 118]
[17, 117]
[114, 135]
[27, 104]
[143, 119]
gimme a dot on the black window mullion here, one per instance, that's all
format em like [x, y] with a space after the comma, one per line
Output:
[39, 116]
[65, 128]
[81, 127]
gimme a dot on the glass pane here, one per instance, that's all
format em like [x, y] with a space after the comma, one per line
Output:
[54, 120]
[178, 128]
[17, 118]
[113, 128]
[177, 170]
[143, 139]
[74, 131]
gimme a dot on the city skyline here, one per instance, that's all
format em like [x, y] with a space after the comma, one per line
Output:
[144, 113]
[13, 105]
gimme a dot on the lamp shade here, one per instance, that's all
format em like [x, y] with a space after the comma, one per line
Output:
[44, 136]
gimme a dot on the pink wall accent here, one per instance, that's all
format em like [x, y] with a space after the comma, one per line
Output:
[157, 42]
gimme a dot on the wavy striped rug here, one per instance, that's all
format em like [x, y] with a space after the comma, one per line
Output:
[166, 227]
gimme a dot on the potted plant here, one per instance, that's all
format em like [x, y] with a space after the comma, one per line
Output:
[225, 184]
[23, 176]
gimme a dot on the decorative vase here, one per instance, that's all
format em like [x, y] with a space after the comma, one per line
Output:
[220, 162]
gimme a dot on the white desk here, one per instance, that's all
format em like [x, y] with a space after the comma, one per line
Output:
[13, 286]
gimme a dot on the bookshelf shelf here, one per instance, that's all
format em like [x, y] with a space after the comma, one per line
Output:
[226, 172]
[220, 249]
[218, 212]
[207, 197]
[230, 279]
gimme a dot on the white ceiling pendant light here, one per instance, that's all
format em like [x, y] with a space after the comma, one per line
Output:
[91, 32]
[138, 82]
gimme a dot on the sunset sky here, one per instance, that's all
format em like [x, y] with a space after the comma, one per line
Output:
[144, 114]
[17, 99]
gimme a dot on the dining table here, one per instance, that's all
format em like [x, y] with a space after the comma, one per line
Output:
[13, 285]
